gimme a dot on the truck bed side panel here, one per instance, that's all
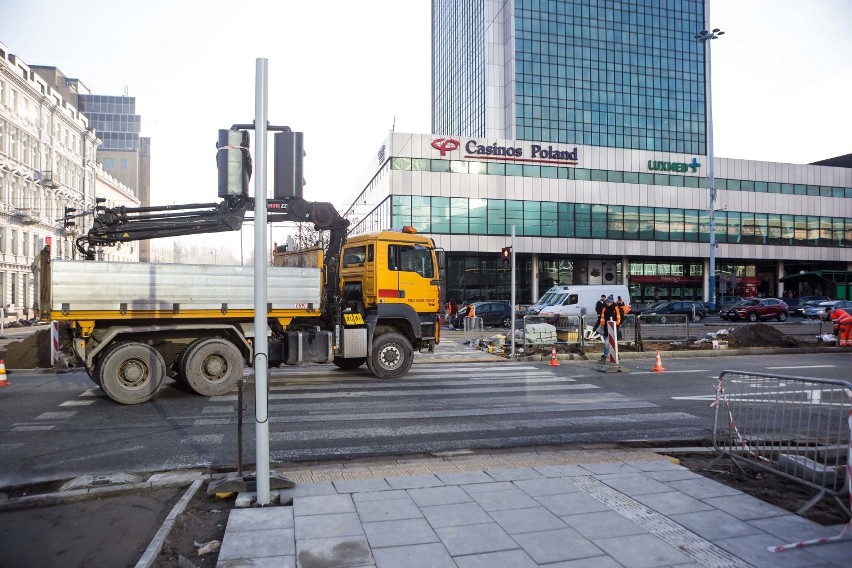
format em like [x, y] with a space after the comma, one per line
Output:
[104, 286]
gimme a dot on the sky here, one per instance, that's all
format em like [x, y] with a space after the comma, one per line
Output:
[348, 72]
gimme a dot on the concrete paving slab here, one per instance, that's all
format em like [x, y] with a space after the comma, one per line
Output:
[501, 500]
[713, 525]
[667, 475]
[590, 562]
[343, 552]
[266, 518]
[323, 505]
[837, 553]
[399, 533]
[745, 507]
[603, 524]
[414, 481]
[672, 503]
[250, 544]
[561, 470]
[555, 546]
[464, 478]
[546, 486]
[701, 488]
[361, 485]
[328, 526]
[416, 556]
[514, 474]
[793, 528]
[656, 465]
[470, 489]
[475, 539]
[633, 485]
[518, 521]
[379, 495]
[268, 562]
[642, 551]
[571, 504]
[387, 510]
[609, 468]
[753, 549]
[456, 515]
[307, 490]
[432, 496]
[505, 559]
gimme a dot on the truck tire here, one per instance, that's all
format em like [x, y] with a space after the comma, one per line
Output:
[131, 372]
[391, 356]
[212, 366]
[348, 364]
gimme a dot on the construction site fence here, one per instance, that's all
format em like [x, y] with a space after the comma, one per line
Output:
[582, 330]
[797, 427]
[474, 329]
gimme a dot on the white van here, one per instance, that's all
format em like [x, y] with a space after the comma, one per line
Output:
[581, 300]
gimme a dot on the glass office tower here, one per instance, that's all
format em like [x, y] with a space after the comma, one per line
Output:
[613, 73]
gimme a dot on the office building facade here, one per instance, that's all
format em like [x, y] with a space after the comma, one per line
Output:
[582, 123]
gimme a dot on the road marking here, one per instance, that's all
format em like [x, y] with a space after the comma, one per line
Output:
[77, 403]
[32, 428]
[656, 372]
[806, 367]
[56, 415]
[203, 439]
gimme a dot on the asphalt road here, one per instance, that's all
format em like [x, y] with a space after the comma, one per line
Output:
[59, 426]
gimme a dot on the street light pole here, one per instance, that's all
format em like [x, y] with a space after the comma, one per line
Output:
[704, 37]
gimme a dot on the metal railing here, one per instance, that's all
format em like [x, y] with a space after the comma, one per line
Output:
[474, 329]
[796, 427]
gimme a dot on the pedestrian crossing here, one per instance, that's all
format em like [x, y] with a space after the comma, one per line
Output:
[320, 411]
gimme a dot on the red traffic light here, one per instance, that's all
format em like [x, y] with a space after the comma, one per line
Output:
[506, 254]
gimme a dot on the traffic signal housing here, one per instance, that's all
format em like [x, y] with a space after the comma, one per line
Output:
[506, 255]
[67, 222]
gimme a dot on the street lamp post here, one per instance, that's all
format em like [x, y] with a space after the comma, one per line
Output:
[704, 37]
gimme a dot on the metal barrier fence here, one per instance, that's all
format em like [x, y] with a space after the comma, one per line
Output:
[668, 327]
[794, 426]
[474, 328]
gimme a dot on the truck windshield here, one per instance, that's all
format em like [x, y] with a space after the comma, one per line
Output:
[411, 259]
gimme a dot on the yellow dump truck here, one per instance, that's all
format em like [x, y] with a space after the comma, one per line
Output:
[133, 324]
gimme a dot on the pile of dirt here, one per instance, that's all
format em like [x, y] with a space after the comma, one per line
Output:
[759, 335]
[29, 353]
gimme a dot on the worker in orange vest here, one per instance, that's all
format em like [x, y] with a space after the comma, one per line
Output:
[611, 311]
[842, 327]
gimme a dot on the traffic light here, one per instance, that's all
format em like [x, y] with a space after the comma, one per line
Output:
[67, 222]
[506, 255]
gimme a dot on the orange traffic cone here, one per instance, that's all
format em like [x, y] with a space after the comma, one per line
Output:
[658, 365]
[3, 381]
[553, 361]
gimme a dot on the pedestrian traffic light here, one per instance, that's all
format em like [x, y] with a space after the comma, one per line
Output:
[506, 255]
[67, 222]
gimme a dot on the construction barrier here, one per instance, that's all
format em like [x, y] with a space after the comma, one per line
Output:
[474, 329]
[796, 427]
[665, 327]
[54, 343]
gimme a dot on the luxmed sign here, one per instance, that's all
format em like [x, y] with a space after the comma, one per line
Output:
[680, 167]
[533, 153]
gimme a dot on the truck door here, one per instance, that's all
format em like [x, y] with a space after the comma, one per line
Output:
[414, 271]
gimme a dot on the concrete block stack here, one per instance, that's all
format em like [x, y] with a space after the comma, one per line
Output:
[540, 333]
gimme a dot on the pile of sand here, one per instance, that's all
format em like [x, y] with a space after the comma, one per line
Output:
[759, 335]
[29, 353]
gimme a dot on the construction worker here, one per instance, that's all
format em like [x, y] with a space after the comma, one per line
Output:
[842, 327]
[612, 312]
[623, 306]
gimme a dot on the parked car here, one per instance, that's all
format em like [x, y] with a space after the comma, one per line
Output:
[492, 314]
[648, 308]
[755, 309]
[797, 305]
[823, 309]
[695, 310]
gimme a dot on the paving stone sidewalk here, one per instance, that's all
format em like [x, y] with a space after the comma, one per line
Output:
[560, 509]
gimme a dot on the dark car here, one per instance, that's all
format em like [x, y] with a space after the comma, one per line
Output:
[755, 309]
[695, 310]
[492, 313]
[649, 308]
[822, 310]
[797, 305]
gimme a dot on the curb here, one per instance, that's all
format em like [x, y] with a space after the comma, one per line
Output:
[153, 551]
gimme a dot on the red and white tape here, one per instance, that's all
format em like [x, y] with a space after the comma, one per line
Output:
[612, 341]
[54, 342]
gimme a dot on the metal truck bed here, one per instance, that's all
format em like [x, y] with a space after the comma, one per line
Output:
[126, 287]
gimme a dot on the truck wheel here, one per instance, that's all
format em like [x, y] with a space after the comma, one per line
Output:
[131, 373]
[348, 364]
[391, 357]
[212, 366]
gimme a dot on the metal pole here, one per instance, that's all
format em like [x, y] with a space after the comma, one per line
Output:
[512, 331]
[261, 343]
[706, 38]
